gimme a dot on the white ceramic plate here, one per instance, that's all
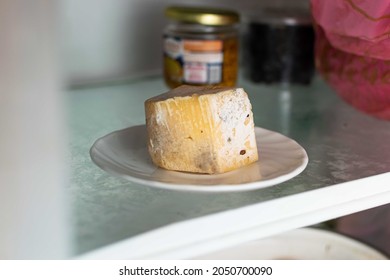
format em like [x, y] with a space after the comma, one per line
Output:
[300, 244]
[124, 153]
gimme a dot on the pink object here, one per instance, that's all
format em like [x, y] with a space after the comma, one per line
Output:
[353, 51]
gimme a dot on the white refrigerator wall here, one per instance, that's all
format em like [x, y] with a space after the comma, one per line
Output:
[107, 40]
[33, 168]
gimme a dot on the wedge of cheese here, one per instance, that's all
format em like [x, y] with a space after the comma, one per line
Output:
[201, 129]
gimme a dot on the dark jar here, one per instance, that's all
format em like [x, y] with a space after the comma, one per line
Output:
[280, 47]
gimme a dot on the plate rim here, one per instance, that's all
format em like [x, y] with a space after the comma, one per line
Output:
[249, 186]
[318, 234]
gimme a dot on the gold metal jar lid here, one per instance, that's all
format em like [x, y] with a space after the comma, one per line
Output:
[202, 15]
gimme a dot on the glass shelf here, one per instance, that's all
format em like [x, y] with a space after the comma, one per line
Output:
[343, 145]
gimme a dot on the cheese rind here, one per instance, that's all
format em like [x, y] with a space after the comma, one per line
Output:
[201, 129]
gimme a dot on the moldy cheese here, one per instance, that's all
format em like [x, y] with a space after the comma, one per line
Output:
[201, 129]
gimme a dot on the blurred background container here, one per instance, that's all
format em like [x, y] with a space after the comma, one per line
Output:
[201, 46]
[279, 46]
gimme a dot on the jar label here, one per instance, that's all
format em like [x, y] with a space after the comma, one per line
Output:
[194, 61]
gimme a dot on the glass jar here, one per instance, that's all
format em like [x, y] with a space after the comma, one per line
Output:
[280, 47]
[200, 46]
